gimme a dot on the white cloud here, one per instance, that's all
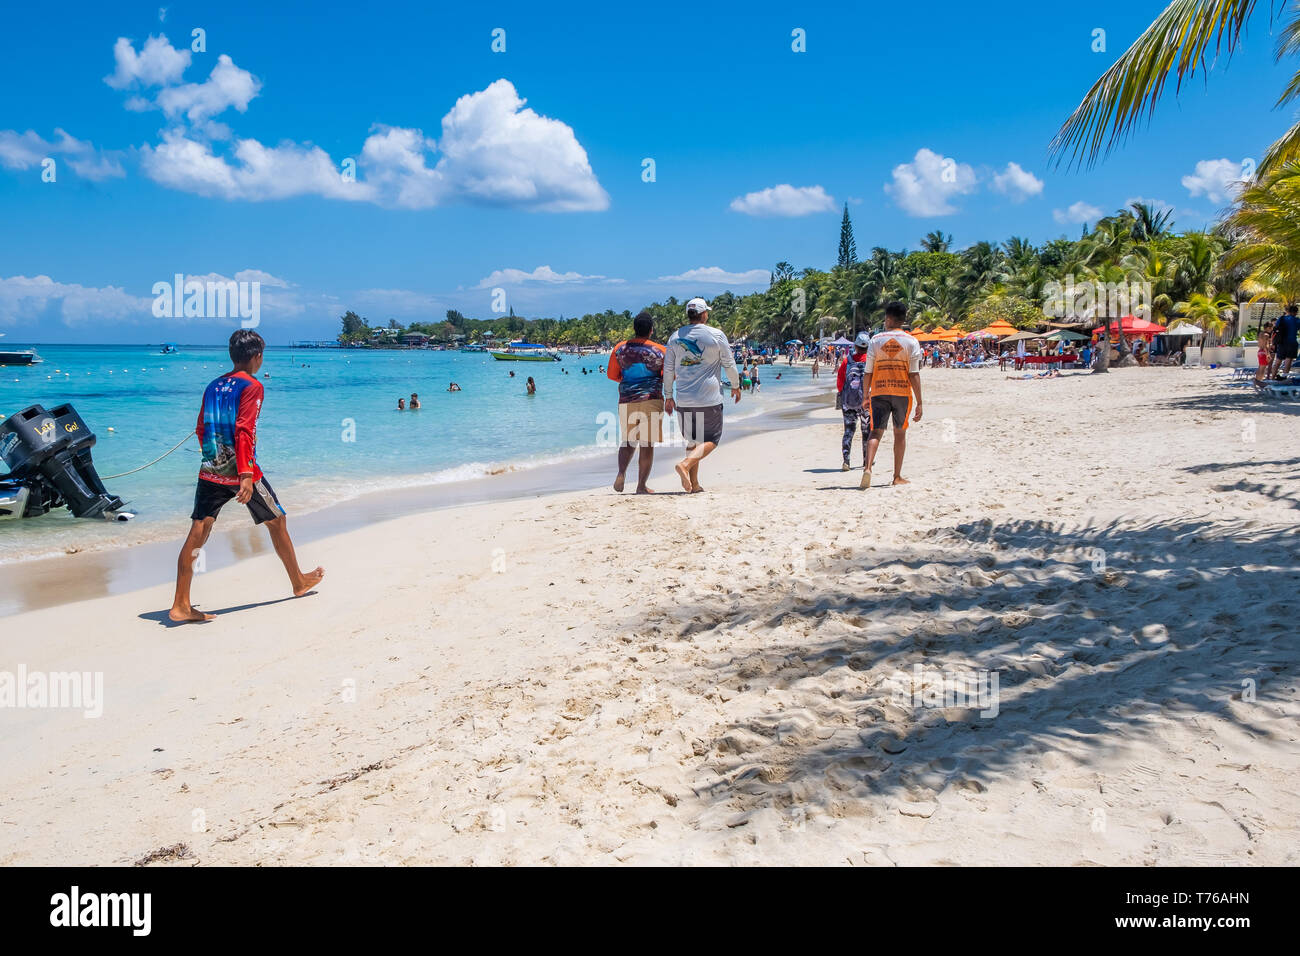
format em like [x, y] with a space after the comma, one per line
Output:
[258, 173]
[1216, 179]
[157, 64]
[265, 278]
[540, 274]
[20, 151]
[714, 275]
[1159, 205]
[226, 86]
[925, 186]
[1079, 212]
[492, 150]
[402, 301]
[394, 161]
[24, 299]
[1018, 183]
[496, 151]
[784, 200]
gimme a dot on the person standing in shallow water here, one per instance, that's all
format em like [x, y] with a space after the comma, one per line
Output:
[638, 366]
[532, 386]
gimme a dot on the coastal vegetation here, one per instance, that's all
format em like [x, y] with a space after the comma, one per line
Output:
[1201, 275]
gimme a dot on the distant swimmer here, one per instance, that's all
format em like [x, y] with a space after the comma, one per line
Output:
[453, 387]
[532, 386]
[401, 404]
[512, 374]
[415, 400]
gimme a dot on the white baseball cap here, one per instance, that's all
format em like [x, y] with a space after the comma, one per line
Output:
[696, 306]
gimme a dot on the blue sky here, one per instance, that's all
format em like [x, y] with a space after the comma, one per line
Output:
[228, 166]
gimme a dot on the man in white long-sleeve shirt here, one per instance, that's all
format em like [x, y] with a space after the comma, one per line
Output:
[697, 356]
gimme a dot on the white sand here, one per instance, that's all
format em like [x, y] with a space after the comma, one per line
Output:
[710, 678]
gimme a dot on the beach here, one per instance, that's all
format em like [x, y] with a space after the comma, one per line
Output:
[744, 676]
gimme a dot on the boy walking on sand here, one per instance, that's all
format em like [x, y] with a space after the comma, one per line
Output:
[227, 431]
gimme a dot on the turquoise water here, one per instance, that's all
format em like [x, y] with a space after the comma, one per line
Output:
[329, 428]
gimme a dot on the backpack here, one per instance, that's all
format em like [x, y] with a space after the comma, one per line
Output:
[855, 376]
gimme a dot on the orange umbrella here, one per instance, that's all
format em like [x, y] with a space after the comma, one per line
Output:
[1000, 329]
[952, 335]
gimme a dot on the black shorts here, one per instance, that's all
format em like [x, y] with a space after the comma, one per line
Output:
[1287, 350]
[701, 425]
[210, 498]
[884, 406]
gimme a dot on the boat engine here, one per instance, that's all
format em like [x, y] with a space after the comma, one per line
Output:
[47, 453]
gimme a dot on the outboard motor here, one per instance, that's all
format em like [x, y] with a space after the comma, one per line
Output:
[47, 453]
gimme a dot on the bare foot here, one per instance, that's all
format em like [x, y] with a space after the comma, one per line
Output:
[183, 615]
[866, 479]
[618, 483]
[645, 491]
[684, 474]
[696, 488]
[309, 581]
[900, 480]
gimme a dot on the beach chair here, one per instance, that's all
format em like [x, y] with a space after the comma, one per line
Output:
[1281, 391]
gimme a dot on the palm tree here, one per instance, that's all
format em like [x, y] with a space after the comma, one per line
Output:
[1267, 222]
[1209, 312]
[936, 241]
[1182, 38]
[1148, 223]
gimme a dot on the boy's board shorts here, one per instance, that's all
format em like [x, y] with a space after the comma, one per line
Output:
[699, 425]
[641, 423]
[883, 406]
[210, 497]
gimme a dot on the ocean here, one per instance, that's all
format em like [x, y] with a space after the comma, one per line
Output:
[329, 431]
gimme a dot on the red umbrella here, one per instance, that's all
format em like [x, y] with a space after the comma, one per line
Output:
[1131, 325]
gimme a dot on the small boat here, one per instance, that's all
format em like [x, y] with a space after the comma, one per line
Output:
[473, 348]
[526, 352]
[19, 357]
[168, 348]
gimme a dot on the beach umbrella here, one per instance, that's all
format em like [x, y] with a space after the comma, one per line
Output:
[795, 342]
[1132, 325]
[999, 329]
[842, 341]
[1186, 328]
[1022, 337]
[952, 335]
[1065, 335]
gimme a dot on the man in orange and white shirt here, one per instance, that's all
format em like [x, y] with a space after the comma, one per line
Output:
[893, 364]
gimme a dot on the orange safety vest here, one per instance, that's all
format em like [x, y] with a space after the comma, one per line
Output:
[889, 371]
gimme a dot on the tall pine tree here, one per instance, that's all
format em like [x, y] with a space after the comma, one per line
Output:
[848, 248]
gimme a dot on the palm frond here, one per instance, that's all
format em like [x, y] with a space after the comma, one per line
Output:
[1177, 41]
